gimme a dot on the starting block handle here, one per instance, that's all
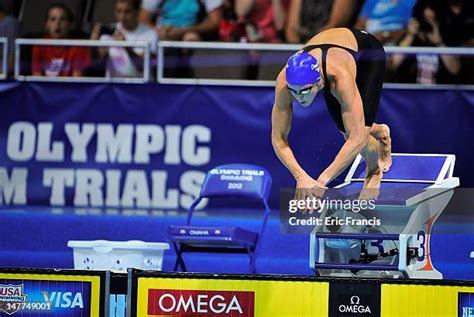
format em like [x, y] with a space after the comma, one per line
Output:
[403, 257]
[355, 266]
[357, 236]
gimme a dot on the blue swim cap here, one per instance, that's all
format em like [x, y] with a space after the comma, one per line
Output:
[302, 69]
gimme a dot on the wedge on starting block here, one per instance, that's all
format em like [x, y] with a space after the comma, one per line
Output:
[413, 195]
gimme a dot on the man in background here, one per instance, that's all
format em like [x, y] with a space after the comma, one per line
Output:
[385, 19]
[183, 20]
[121, 61]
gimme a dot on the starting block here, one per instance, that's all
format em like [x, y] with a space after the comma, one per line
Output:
[413, 195]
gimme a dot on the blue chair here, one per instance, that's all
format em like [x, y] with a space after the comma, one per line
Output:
[238, 180]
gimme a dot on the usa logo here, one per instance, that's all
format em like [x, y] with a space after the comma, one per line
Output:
[11, 298]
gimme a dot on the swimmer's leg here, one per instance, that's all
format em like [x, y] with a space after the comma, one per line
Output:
[373, 173]
[381, 132]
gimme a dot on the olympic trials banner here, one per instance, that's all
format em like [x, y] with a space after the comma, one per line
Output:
[149, 146]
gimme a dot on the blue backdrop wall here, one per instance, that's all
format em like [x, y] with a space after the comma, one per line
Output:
[71, 144]
[148, 147]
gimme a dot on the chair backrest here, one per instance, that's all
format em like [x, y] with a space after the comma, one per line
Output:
[242, 180]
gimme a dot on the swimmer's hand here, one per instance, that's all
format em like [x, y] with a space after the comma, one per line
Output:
[309, 189]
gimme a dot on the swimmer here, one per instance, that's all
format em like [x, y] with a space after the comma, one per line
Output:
[348, 65]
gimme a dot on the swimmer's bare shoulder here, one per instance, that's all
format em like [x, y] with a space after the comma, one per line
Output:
[283, 98]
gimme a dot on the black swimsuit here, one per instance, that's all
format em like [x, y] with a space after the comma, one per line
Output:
[370, 62]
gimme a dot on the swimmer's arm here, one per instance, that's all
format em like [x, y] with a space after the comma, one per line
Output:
[281, 124]
[345, 90]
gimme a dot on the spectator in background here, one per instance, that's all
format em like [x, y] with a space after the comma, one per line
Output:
[263, 19]
[280, 9]
[457, 22]
[253, 21]
[121, 61]
[186, 20]
[309, 17]
[9, 28]
[424, 30]
[458, 29]
[59, 60]
[230, 29]
[385, 19]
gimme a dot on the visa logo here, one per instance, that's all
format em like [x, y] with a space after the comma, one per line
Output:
[64, 300]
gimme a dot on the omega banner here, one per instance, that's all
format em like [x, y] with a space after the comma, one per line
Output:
[190, 294]
[401, 298]
[230, 297]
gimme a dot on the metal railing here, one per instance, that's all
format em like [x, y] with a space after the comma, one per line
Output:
[290, 48]
[83, 43]
[218, 46]
[161, 61]
[4, 46]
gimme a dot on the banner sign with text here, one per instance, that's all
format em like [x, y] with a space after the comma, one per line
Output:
[215, 296]
[51, 293]
[149, 146]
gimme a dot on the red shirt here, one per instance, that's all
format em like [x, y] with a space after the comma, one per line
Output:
[261, 16]
[59, 60]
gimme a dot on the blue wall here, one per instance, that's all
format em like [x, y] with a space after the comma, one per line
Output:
[233, 125]
[223, 125]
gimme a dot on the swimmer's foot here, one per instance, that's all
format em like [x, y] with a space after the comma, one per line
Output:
[385, 149]
[371, 187]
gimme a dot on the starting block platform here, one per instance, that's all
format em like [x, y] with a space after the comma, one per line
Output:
[413, 194]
